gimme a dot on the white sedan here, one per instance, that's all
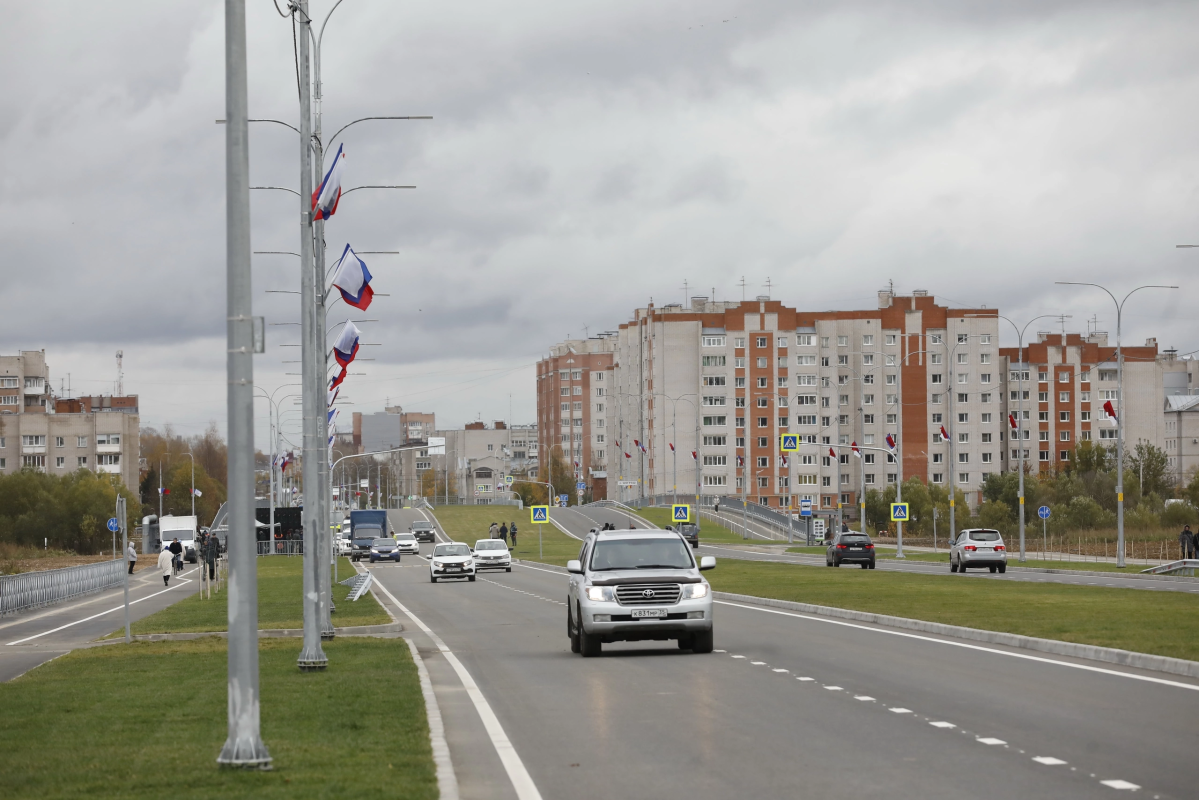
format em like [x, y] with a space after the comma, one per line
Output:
[492, 554]
[406, 543]
[453, 560]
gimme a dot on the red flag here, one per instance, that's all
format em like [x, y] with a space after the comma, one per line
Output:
[694, 456]
[832, 453]
[1109, 409]
[626, 455]
[672, 447]
[944, 435]
[891, 442]
[1011, 418]
[856, 451]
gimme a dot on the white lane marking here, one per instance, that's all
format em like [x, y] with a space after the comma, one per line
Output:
[989, 740]
[758, 663]
[900, 710]
[946, 725]
[720, 651]
[979, 648]
[57, 609]
[1049, 761]
[1119, 784]
[780, 669]
[834, 688]
[522, 782]
[182, 581]
[738, 656]
[805, 679]
[522, 591]
[865, 698]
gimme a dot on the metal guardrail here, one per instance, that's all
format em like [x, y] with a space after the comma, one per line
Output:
[35, 589]
[1186, 566]
[358, 584]
[281, 547]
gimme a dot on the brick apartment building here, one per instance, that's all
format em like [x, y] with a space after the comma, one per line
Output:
[573, 390]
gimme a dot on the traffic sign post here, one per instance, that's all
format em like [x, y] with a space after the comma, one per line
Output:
[899, 512]
[1043, 512]
[805, 508]
[539, 516]
[789, 442]
[112, 526]
[680, 512]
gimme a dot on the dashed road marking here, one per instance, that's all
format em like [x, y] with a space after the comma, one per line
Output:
[943, 724]
[1119, 784]
[1049, 761]
[738, 656]
[834, 688]
[989, 740]
[805, 679]
[865, 698]
[900, 710]
[758, 663]
[522, 591]
[780, 669]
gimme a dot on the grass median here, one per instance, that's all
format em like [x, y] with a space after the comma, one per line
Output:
[85, 725]
[709, 532]
[469, 523]
[1164, 623]
[280, 584]
[1034, 563]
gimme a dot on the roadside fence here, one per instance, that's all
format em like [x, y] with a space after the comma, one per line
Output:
[35, 589]
[281, 547]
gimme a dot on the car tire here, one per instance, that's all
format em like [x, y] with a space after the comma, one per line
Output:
[572, 632]
[872, 565]
[685, 642]
[470, 578]
[994, 570]
[1002, 568]
[836, 563]
[962, 569]
[864, 565]
[509, 569]
[432, 579]
[702, 642]
[953, 567]
[589, 644]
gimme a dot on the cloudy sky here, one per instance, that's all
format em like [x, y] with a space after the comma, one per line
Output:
[585, 158]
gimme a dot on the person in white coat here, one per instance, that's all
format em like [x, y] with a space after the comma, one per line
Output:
[131, 557]
[166, 565]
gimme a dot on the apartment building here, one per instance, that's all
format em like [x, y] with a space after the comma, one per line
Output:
[1180, 421]
[1059, 389]
[573, 402]
[61, 435]
[720, 381]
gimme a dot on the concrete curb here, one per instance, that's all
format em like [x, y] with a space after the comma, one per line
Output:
[275, 633]
[1110, 655]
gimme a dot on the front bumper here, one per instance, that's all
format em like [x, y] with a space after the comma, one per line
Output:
[613, 622]
[502, 564]
[446, 572]
[393, 556]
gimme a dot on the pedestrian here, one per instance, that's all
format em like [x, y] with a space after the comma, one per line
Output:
[493, 532]
[131, 555]
[717, 506]
[177, 551]
[166, 565]
[504, 532]
[212, 549]
[1187, 540]
[512, 531]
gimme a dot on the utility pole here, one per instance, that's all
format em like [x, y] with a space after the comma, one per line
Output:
[244, 746]
[312, 656]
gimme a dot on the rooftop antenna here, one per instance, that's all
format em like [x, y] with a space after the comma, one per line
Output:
[742, 288]
[586, 331]
[767, 285]
[1062, 319]
[120, 373]
[686, 291]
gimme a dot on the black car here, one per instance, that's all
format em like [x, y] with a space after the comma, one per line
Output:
[424, 531]
[852, 547]
[689, 531]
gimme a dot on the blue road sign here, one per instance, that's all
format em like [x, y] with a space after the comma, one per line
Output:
[580, 486]
[563, 499]
[540, 513]
[789, 442]
[1043, 512]
[680, 513]
[113, 525]
[899, 512]
[805, 508]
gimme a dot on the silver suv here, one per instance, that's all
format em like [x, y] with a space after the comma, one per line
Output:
[637, 585]
[978, 547]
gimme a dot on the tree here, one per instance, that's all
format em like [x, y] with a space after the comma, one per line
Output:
[67, 512]
[1151, 465]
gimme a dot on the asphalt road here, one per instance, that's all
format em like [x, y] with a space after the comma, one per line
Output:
[579, 521]
[789, 706]
[35, 637]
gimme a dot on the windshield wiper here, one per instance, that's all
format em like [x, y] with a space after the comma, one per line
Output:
[660, 566]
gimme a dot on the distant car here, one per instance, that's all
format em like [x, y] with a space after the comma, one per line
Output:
[492, 554]
[978, 547]
[424, 531]
[384, 548]
[408, 543]
[453, 560]
[690, 532]
[851, 547]
[344, 543]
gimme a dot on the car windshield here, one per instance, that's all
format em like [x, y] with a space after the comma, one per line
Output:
[984, 536]
[385, 543]
[646, 553]
[490, 544]
[422, 526]
[452, 550]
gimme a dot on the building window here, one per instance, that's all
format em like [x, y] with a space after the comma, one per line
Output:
[986, 418]
[963, 418]
[763, 483]
[1043, 455]
[804, 340]
[1107, 433]
[986, 457]
[1042, 416]
[578, 390]
[763, 422]
[763, 402]
[985, 397]
[739, 342]
[1063, 377]
[740, 423]
[59, 442]
[761, 363]
[714, 380]
[564, 391]
[805, 361]
[935, 378]
[963, 358]
[867, 399]
[938, 458]
[713, 341]
[738, 383]
[713, 361]
[718, 422]
[963, 477]
[108, 460]
[1063, 416]
[987, 438]
[714, 401]
[936, 400]
[1042, 436]
[842, 341]
[762, 341]
[715, 441]
[715, 480]
[1063, 397]
[963, 438]
[984, 377]
[867, 340]
[1064, 455]
[963, 377]
[60, 462]
[763, 383]
[1063, 436]
[963, 397]
[891, 418]
[938, 477]
[1084, 416]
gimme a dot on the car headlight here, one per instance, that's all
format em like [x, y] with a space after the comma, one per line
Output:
[694, 591]
[599, 594]
[437, 564]
[467, 563]
[374, 550]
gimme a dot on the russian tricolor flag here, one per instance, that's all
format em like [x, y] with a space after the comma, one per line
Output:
[353, 280]
[346, 346]
[891, 442]
[336, 380]
[325, 199]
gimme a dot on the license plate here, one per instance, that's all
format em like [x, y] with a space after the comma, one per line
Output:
[855, 548]
[984, 548]
[649, 613]
[453, 569]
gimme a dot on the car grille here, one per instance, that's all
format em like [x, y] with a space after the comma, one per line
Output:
[635, 594]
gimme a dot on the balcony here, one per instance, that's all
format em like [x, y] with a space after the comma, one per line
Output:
[109, 469]
[33, 449]
[102, 449]
[38, 389]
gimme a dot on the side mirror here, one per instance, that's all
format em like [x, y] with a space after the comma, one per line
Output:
[707, 562]
[574, 567]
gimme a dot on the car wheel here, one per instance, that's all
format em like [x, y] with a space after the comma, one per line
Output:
[836, 563]
[572, 631]
[432, 579]
[994, 570]
[701, 642]
[962, 568]
[872, 565]
[685, 642]
[1002, 568]
[589, 644]
[470, 578]
[509, 569]
[864, 566]
[953, 567]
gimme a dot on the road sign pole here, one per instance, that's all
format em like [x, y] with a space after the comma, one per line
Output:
[121, 520]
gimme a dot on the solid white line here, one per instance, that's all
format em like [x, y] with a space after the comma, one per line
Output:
[522, 782]
[447, 781]
[182, 581]
[981, 649]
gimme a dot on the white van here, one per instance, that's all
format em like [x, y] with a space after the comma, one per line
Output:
[182, 528]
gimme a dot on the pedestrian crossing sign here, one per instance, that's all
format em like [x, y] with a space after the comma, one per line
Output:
[899, 512]
[508, 479]
[789, 442]
[680, 513]
[540, 513]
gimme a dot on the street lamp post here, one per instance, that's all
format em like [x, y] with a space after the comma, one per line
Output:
[193, 458]
[1119, 408]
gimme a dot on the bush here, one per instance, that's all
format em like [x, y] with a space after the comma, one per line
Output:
[1083, 512]
[1178, 514]
[68, 512]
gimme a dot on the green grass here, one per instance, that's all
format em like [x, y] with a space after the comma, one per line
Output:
[709, 532]
[1165, 623]
[943, 558]
[280, 582]
[147, 720]
[469, 523]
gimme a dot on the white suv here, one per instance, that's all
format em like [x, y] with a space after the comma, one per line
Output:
[978, 547]
[637, 585]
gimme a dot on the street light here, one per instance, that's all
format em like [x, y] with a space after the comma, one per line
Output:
[1120, 406]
